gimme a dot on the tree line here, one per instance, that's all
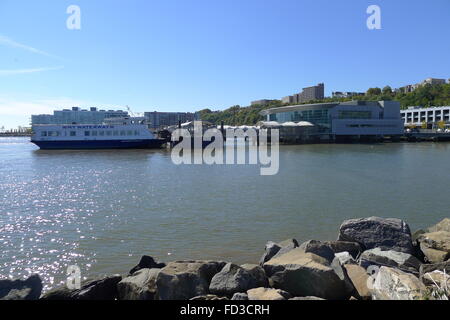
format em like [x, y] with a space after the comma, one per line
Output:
[425, 96]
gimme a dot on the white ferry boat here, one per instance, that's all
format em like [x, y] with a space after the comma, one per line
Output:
[116, 133]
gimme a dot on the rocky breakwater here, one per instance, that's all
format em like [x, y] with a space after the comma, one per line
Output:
[372, 258]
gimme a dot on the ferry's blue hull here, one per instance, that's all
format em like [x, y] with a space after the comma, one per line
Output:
[100, 144]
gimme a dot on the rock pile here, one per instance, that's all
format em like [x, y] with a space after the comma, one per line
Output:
[373, 258]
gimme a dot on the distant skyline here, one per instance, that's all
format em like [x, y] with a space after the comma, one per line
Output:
[189, 55]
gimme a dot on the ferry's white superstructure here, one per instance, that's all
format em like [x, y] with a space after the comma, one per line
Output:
[118, 133]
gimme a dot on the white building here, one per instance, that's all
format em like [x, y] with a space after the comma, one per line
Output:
[352, 118]
[77, 116]
[418, 116]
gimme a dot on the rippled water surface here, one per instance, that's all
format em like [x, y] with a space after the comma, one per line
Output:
[102, 210]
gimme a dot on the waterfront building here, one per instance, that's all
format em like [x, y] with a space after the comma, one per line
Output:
[433, 116]
[77, 116]
[352, 118]
[159, 120]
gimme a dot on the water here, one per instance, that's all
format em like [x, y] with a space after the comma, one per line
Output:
[102, 210]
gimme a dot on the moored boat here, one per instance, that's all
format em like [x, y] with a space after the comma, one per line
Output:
[117, 133]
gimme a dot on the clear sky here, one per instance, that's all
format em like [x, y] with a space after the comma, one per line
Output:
[186, 55]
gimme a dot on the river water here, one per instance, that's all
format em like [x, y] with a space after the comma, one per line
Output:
[102, 210]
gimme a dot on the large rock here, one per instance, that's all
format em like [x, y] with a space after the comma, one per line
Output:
[305, 274]
[441, 266]
[444, 225]
[101, 289]
[233, 279]
[183, 280]
[390, 258]
[353, 248]
[436, 278]
[435, 246]
[140, 286]
[270, 250]
[267, 294]
[319, 248]
[359, 278]
[389, 234]
[393, 284]
[286, 246]
[147, 262]
[240, 296]
[29, 289]
[257, 273]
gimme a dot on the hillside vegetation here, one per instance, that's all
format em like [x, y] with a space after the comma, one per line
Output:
[426, 96]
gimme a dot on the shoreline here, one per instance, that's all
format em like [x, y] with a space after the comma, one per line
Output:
[368, 257]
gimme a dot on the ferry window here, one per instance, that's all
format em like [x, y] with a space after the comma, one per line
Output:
[129, 133]
[136, 133]
[94, 133]
[122, 133]
[108, 133]
[73, 133]
[87, 133]
[101, 133]
[116, 133]
[43, 133]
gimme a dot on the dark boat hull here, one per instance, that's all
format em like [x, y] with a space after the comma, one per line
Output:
[100, 144]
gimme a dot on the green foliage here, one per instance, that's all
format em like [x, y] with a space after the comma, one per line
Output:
[373, 92]
[425, 96]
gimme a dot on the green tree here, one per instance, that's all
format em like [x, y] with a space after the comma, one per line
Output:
[373, 92]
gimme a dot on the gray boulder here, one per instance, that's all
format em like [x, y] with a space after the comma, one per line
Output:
[393, 284]
[305, 274]
[140, 286]
[390, 258]
[257, 273]
[319, 248]
[183, 280]
[374, 232]
[271, 249]
[233, 279]
[267, 294]
[353, 248]
[435, 246]
[147, 262]
[240, 296]
[29, 289]
[100, 289]
[442, 266]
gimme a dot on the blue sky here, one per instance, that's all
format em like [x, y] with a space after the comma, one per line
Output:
[186, 55]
